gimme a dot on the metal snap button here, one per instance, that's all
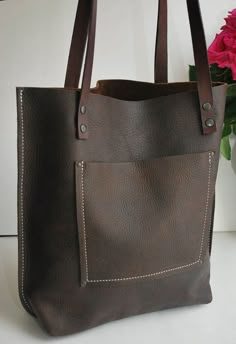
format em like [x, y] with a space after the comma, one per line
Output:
[206, 106]
[210, 122]
[83, 128]
[83, 109]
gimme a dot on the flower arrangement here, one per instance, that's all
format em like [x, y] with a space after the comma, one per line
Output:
[222, 59]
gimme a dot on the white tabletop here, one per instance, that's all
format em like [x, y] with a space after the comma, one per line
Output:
[207, 324]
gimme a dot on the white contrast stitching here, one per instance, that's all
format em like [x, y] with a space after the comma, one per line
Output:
[22, 202]
[83, 220]
[153, 274]
[144, 276]
[207, 204]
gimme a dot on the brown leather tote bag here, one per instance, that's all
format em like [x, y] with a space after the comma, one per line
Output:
[116, 187]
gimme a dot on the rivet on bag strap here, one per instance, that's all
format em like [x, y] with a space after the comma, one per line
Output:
[200, 55]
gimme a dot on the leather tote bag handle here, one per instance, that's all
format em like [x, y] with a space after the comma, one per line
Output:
[200, 56]
[161, 52]
[78, 44]
[79, 38]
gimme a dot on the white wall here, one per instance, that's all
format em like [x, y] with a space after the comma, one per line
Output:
[34, 45]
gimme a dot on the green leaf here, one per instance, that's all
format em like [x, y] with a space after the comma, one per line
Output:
[227, 130]
[231, 90]
[192, 73]
[234, 128]
[217, 74]
[230, 109]
[221, 74]
[225, 148]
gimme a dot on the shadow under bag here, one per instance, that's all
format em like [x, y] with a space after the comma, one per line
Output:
[116, 187]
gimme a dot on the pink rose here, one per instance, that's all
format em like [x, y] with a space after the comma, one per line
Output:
[223, 49]
[230, 21]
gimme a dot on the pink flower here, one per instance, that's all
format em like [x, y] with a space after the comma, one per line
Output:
[223, 49]
[230, 21]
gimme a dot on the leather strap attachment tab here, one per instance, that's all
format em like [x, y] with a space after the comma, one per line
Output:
[82, 118]
[202, 68]
[88, 24]
[200, 56]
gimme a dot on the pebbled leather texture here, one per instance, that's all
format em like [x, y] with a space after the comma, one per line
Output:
[118, 205]
[160, 141]
[200, 57]
[117, 220]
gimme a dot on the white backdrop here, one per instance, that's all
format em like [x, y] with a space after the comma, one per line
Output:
[34, 45]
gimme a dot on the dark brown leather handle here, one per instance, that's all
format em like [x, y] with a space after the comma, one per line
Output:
[78, 44]
[79, 37]
[201, 61]
[200, 56]
[161, 51]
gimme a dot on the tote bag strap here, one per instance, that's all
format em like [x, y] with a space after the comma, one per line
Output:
[200, 55]
[161, 51]
[79, 39]
[78, 44]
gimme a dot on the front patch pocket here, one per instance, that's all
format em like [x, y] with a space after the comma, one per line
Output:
[143, 219]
